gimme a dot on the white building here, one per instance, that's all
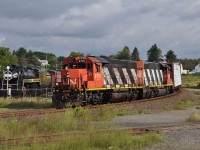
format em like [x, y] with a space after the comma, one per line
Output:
[197, 68]
[43, 62]
[184, 71]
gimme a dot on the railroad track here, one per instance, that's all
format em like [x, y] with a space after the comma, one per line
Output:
[23, 113]
[60, 137]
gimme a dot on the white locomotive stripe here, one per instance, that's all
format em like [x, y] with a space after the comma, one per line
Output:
[128, 81]
[107, 76]
[158, 76]
[117, 75]
[145, 79]
[154, 77]
[161, 73]
[134, 75]
[149, 75]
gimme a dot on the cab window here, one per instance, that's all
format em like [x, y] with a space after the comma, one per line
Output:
[97, 67]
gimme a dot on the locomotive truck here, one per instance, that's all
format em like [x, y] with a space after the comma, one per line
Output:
[95, 80]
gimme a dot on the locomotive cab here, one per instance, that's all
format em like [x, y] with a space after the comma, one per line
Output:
[82, 71]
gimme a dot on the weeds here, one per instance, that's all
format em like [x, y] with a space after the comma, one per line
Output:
[197, 92]
[102, 141]
[194, 117]
[123, 112]
[187, 104]
[191, 80]
[25, 103]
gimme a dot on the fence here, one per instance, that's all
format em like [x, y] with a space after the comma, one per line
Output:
[43, 92]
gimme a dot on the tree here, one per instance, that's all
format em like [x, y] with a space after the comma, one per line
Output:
[21, 52]
[124, 54]
[22, 61]
[154, 54]
[6, 59]
[135, 55]
[61, 58]
[74, 54]
[188, 64]
[34, 61]
[170, 56]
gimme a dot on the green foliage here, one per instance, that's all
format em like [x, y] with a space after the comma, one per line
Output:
[100, 141]
[21, 52]
[190, 80]
[187, 104]
[61, 58]
[124, 54]
[25, 103]
[183, 105]
[6, 59]
[74, 54]
[135, 54]
[103, 114]
[93, 140]
[123, 112]
[154, 54]
[189, 64]
[170, 56]
[23, 61]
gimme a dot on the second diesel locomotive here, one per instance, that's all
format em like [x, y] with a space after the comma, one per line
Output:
[94, 80]
[19, 81]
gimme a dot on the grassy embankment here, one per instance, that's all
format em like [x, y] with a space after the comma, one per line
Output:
[25, 103]
[77, 120]
[194, 117]
[191, 80]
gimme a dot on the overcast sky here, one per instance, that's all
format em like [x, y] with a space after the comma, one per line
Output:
[101, 27]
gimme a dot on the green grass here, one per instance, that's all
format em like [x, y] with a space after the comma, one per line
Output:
[191, 80]
[196, 92]
[194, 117]
[79, 119]
[102, 141]
[123, 112]
[187, 104]
[25, 103]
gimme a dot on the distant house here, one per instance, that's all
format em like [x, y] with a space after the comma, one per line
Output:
[43, 62]
[192, 72]
[197, 68]
[184, 71]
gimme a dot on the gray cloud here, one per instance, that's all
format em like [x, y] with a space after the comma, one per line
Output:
[101, 27]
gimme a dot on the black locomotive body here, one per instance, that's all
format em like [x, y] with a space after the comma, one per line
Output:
[16, 80]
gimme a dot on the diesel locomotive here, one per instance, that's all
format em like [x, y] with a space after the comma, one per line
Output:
[96, 80]
[18, 81]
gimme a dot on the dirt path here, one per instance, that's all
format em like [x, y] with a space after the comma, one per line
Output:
[175, 139]
[149, 120]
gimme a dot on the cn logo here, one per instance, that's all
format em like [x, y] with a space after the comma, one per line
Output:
[73, 81]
